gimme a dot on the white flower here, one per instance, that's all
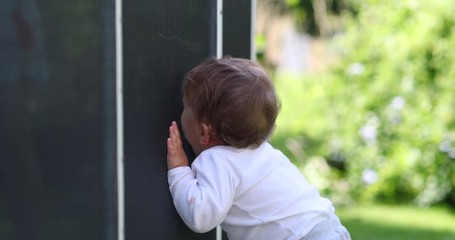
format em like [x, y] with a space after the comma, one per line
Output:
[356, 69]
[445, 146]
[452, 153]
[398, 103]
[368, 134]
[369, 176]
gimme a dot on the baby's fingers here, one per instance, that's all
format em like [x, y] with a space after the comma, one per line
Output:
[176, 129]
[171, 148]
[174, 133]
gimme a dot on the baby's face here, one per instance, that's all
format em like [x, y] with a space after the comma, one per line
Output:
[191, 128]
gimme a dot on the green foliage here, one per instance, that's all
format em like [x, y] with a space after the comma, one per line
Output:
[380, 126]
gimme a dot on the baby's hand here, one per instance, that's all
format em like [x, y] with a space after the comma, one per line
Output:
[176, 157]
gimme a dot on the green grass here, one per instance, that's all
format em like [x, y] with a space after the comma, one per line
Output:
[379, 222]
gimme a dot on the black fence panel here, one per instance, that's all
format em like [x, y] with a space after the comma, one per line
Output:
[162, 41]
[57, 120]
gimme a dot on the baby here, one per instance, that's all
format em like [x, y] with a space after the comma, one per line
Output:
[238, 180]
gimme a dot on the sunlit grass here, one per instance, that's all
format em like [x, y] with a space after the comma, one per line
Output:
[398, 222]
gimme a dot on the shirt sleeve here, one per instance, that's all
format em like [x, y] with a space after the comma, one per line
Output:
[202, 194]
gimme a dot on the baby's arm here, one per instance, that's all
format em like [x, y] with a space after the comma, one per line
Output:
[202, 199]
[176, 157]
[204, 193]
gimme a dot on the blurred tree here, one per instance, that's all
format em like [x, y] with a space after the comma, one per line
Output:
[320, 18]
[386, 112]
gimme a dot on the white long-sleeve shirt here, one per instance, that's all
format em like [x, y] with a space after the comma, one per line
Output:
[252, 193]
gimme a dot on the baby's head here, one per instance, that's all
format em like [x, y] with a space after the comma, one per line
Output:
[235, 97]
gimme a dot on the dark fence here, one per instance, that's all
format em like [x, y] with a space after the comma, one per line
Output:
[59, 112]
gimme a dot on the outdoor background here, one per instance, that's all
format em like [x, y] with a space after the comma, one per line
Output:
[368, 107]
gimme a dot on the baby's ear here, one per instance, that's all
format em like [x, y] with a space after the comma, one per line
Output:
[204, 138]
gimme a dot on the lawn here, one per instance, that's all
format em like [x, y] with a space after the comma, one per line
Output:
[379, 222]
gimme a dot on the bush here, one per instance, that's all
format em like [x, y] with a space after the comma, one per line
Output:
[380, 125]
